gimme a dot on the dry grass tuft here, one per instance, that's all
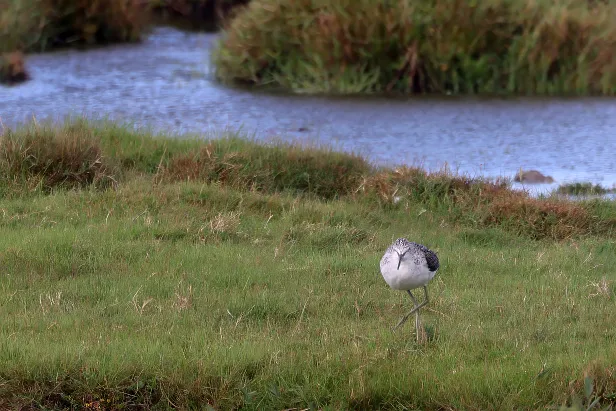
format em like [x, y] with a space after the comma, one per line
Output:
[225, 222]
[602, 288]
[183, 298]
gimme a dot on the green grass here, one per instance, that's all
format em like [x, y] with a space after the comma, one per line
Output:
[504, 47]
[162, 292]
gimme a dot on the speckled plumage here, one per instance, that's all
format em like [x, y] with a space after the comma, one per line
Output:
[417, 265]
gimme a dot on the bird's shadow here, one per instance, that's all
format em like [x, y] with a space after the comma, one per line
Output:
[430, 332]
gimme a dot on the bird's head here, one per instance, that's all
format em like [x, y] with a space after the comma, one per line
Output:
[401, 247]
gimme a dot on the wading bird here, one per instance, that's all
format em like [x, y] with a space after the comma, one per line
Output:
[406, 266]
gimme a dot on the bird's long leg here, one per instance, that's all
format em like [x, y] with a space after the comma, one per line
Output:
[426, 301]
[414, 310]
[421, 336]
[417, 320]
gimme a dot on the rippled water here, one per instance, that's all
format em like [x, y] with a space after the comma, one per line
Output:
[165, 82]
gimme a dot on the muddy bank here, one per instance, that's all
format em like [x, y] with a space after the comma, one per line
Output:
[201, 15]
[166, 83]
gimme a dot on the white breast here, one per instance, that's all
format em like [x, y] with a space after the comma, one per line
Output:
[409, 276]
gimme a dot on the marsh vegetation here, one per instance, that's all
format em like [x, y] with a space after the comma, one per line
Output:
[499, 47]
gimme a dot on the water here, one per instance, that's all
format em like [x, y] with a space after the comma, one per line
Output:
[166, 83]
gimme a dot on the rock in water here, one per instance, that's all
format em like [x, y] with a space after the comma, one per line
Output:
[532, 177]
[12, 68]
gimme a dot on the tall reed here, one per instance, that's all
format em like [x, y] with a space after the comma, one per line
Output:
[423, 46]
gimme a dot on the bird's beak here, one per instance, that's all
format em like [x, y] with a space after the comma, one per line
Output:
[400, 258]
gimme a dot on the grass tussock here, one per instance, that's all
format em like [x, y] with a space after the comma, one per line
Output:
[276, 168]
[196, 279]
[70, 157]
[40, 25]
[485, 204]
[428, 46]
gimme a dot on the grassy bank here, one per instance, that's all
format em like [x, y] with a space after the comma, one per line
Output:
[144, 272]
[41, 25]
[429, 46]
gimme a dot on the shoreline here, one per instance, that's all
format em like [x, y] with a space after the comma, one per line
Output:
[490, 137]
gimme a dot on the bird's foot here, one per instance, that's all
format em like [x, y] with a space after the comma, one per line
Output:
[422, 335]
